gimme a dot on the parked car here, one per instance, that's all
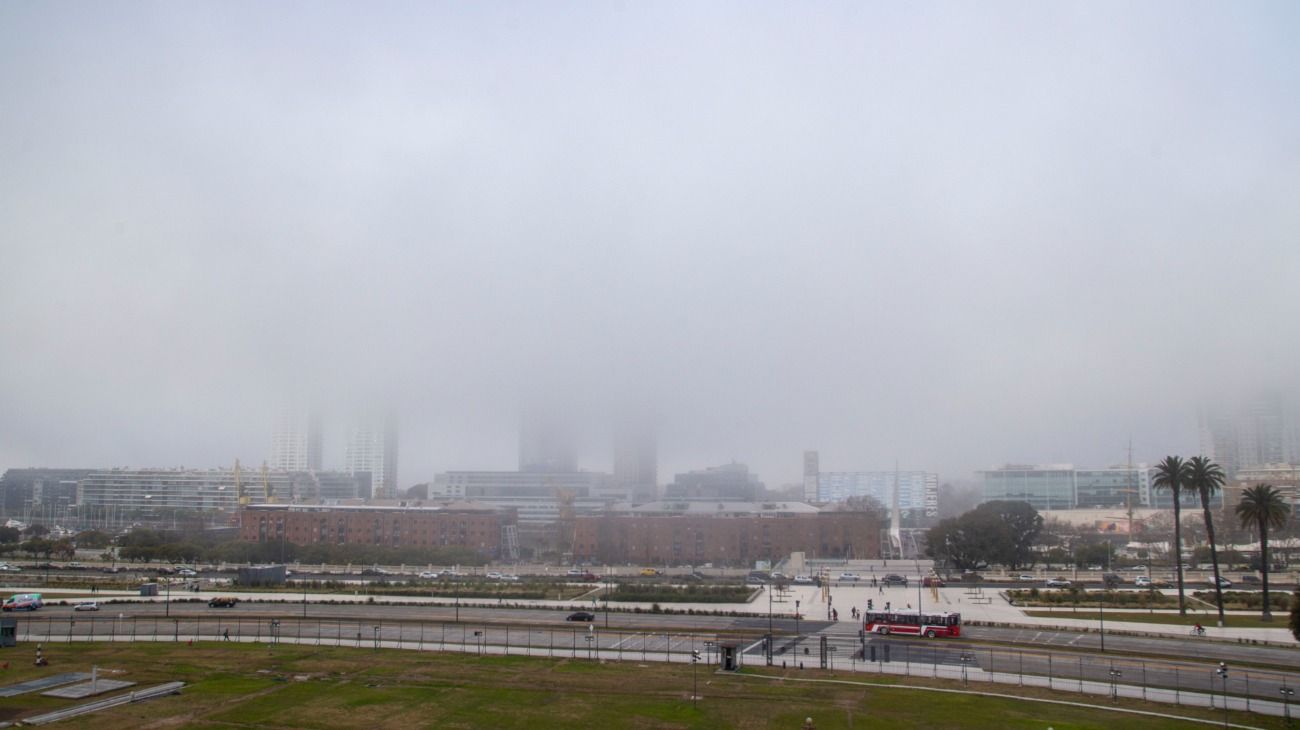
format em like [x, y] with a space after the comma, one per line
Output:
[1058, 583]
[581, 616]
[86, 606]
[893, 579]
[932, 581]
[779, 576]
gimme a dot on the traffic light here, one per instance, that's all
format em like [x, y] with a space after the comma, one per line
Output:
[871, 605]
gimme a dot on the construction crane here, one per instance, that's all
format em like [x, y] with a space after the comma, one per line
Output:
[267, 494]
[239, 487]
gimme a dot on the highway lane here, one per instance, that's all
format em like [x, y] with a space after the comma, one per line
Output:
[495, 631]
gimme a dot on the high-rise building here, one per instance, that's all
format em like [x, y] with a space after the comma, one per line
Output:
[546, 444]
[636, 461]
[372, 449]
[811, 469]
[296, 439]
[1251, 433]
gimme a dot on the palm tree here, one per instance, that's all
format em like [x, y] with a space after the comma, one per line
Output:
[1262, 507]
[1171, 474]
[1206, 478]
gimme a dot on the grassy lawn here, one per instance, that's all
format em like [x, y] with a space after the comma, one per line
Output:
[1173, 619]
[326, 687]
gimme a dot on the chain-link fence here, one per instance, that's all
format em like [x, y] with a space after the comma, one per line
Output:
[1158, 680]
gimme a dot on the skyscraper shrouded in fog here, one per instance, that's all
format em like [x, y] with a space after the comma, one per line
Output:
[1251, 432]
[546, 443]
[811, 469]
[636, 460]
[296, 439]
[372, 448]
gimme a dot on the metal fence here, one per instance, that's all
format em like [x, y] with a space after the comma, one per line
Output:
[1158, 680]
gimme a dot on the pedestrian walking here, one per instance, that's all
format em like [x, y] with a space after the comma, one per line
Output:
[225, 635]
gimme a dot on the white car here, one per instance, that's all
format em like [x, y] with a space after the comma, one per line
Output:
[1026, 578]
[511, 578]
[849, 576]
[803, 579]
[1058, 583]
[190, 574]
[1142, 581]
[429, 575]
[86, 606]
[494, 576]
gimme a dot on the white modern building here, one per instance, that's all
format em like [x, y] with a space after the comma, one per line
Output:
[296, 439]
[372, 449]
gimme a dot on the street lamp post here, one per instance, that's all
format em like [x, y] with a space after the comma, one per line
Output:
[695, 678]
[1223, 674]
[1286, 693]
[1101, 617]
[167, 609]
[1115, 674]
[796, 621]
[770, 583]
[965, 659]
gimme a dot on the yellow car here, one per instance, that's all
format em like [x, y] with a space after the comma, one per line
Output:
[649, 572]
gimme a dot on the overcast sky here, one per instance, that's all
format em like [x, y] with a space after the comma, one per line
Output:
[947, 235]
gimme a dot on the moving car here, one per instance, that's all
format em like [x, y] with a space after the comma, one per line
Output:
[494, 575]
[649, 572]
[186, 572]
[893, 579]
[803, 579]
[1223, 582]
[429, 575]
[1142, 581]
[1249, 579]
[1058, 583]
[581, 616]
[223, 602]
[86, 606]
[23, 602]
[932, 580]
[1026, 578]
[849, 576]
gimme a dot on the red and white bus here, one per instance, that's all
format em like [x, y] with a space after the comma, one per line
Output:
[912, 623]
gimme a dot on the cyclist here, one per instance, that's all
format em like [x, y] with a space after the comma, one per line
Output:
[1199, 630]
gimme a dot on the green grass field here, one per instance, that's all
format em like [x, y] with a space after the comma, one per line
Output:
[286, 686]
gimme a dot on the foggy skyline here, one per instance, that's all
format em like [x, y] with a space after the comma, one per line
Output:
[946, 236]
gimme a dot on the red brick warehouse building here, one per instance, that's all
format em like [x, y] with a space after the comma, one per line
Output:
[477, 527]
[726, 533]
